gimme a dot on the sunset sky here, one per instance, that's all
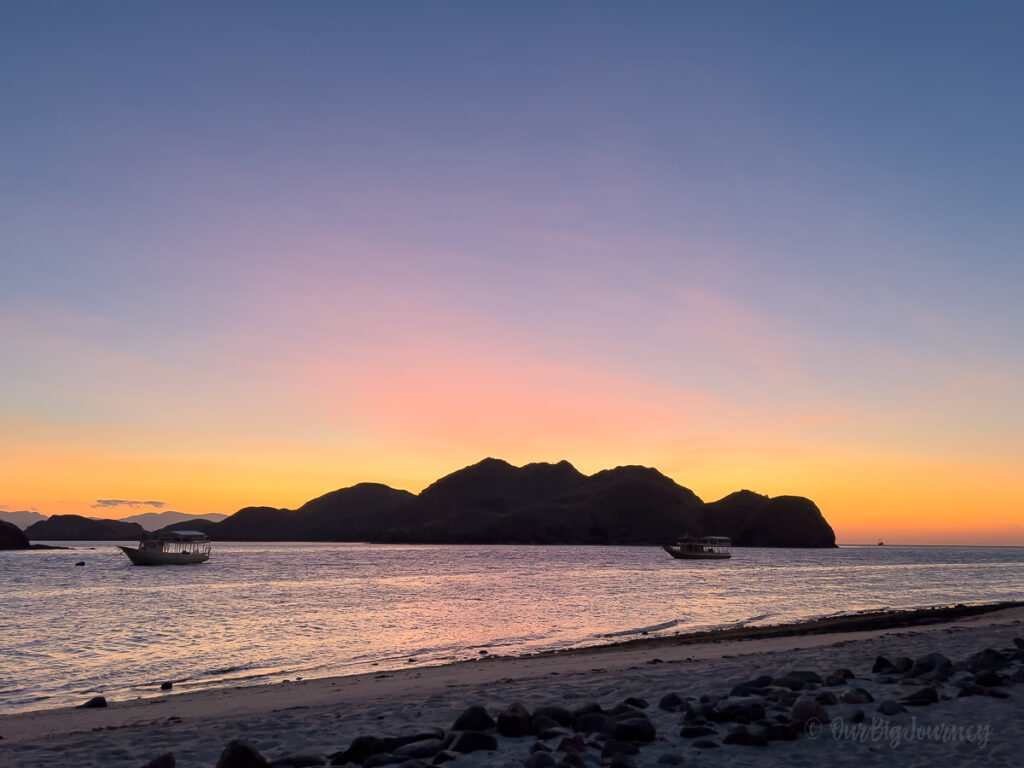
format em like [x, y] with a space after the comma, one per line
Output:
[252, 252]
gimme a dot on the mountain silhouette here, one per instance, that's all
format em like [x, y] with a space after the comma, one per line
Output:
[494, 502]
[153, 520]
[23, 518]
[78, 528]
[348, 514]
[12, 537]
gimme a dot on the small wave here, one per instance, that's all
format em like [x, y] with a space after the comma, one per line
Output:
[746, 622]
[643, 630]
[224, 670]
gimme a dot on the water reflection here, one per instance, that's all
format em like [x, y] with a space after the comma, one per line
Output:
[268, 611]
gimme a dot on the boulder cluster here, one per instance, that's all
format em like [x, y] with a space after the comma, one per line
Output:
[753, 713]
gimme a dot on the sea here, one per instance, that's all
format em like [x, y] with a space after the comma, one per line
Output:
[266, 612]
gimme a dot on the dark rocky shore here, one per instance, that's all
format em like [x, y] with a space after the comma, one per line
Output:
[751, 714]
[670, 727]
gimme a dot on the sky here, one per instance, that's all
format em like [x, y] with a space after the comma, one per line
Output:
[252, 252]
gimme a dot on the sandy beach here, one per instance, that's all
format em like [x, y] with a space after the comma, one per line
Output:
[308, 722]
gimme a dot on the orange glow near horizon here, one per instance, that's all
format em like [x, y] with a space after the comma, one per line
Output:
[864, 498]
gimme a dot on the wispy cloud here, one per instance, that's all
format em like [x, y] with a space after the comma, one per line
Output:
[107, 503]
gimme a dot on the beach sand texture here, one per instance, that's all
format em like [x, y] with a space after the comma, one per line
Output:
[321, 718]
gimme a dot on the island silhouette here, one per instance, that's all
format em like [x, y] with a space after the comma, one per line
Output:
[494, 502]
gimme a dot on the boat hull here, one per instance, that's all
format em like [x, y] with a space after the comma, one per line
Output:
[139, 557]
[679, 554]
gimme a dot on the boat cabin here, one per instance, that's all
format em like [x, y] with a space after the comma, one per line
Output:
[176, 543]
[705, 545]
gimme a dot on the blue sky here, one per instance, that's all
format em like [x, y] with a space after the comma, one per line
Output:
[794, 213]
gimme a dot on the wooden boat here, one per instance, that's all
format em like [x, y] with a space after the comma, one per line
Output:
[170, 548]
[703, 548]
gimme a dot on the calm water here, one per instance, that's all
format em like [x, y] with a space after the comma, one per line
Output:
[265, 612]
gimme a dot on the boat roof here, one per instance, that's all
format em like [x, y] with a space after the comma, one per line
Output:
[178, 535]
[706, 539]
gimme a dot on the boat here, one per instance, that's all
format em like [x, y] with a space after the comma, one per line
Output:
[703, 548]
[170, 548]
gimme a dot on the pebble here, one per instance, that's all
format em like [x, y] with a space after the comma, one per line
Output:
[573, 744]
[890, 707]
[593, 722]
[241, 754]
[420, 749]
[473, 741]
[590, 707]
[670, 702]
[514, 721]
[359, 750]
[705, 744]
[473, 718]
[540, 760]
[882, 666]
[987, 679]
[779, 732]
[988, 659]
[572, 760]
[616, 747]
[560, 715]
[806, 709]
[806, 676]
[792, 683]
[997, 693]
[383, 758]
[297, 761]
[636, 729]
[695, 731]
[922, 697]
[826, 698]
[557, 732]
[738, 712]
[856, 696]
[743, 737]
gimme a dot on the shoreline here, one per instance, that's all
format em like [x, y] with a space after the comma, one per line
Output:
[870, 621]
[841, 624]
[861, 621]
[430, 694]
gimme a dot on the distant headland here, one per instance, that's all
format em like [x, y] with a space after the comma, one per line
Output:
[12, 537]
[494, 502]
